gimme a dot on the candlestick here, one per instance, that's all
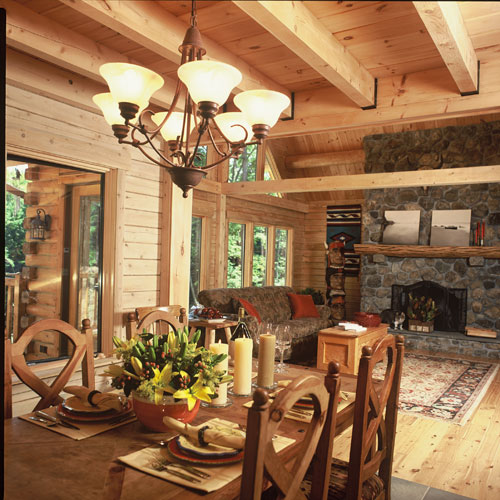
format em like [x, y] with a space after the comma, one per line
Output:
[220, 348]
[242, 366]
[482, 234]
[267, 349]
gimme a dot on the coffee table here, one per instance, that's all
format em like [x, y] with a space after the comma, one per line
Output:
[337, 344]
[210, 327]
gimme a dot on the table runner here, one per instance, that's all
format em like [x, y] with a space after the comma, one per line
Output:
[220, 476]
[86, 429]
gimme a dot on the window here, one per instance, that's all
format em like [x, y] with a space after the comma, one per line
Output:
[268, 251]
[244, 168]
[201, 157]
[280, 256]
[60, 275]
[235, 255]
[196, 251]
[271, 171]
[259, 262]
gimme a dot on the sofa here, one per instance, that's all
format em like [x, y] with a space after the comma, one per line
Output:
[273, 305]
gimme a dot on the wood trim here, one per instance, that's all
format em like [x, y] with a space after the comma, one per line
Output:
[166, 231]
[325, 159]
[271, 240]
[445, 25]
[248, 261]
[428, 251]
[221, 242]
[414, 178]
[275, 201]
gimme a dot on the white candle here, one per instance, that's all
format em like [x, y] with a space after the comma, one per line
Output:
[267, 350]
[220, 348]
[243, 366]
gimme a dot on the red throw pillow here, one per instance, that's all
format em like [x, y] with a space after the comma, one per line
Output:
[302, 306]
[250, 309]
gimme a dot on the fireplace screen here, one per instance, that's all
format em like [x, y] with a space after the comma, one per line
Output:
[451, 303]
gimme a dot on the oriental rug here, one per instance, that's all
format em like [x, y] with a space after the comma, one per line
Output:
[442, 388]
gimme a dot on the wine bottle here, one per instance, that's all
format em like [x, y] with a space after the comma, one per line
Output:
[241, 331]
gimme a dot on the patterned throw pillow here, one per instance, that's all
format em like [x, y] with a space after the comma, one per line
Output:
[250, 309]
[302, 306]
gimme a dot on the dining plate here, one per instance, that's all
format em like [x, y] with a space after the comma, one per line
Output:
[76, 405]
[90, 417]
[188, 446]
[174, 450]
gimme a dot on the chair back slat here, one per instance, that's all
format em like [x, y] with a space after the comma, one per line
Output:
[159, 320]
[15, 360]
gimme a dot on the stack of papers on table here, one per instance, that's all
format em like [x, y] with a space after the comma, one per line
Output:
[353, 327]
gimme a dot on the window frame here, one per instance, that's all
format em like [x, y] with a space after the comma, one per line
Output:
[204, 248]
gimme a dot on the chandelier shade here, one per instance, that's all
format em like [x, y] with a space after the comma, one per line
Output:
[203, 87]
[172, 128]
[130, 83]
[209, 81]
[261, 107]
[234, 127]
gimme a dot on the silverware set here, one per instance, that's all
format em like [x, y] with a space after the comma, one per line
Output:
[50, 421]
[186, 472]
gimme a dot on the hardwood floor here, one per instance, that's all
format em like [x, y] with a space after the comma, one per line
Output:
[461, 459]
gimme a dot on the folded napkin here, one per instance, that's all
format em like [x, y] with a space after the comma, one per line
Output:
[208, 433]
[95, 398]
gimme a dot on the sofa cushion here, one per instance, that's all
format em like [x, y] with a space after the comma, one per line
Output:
[250, 309]
[302, 306]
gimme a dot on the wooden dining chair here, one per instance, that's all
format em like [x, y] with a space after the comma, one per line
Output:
[158, 319]
[367, 475]
[15, 361]
[261, 463]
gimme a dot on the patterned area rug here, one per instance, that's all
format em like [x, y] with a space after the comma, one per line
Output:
[443, 388]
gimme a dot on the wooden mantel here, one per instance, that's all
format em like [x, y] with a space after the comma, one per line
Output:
[428, 251]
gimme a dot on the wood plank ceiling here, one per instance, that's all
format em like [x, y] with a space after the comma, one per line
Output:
[329, 54]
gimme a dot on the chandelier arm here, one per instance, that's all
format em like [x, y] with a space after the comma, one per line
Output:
[201, 131]
[212, 140]
[227, 156]
[149, 157]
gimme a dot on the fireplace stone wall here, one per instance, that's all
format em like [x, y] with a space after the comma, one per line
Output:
[447, 147]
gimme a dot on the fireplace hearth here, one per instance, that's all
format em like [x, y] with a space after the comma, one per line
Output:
[450, 302]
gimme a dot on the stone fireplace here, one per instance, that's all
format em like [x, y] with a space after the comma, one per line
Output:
[480, 277]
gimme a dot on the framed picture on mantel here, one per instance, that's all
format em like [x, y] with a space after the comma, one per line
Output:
[450, 228]
[401, 227]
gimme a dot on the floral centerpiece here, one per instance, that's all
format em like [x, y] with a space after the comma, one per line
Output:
[421, 313]
[155, 366]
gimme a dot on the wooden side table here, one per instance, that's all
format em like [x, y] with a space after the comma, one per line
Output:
[336, 344]
[210, 328]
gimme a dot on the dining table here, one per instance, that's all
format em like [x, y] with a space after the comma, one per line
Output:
[41, 464]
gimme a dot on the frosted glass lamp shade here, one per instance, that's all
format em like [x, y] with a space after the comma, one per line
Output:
[173, 126]
[209, 81]
[111, 110]
[261, 107]
[130, 83]
[231, 126]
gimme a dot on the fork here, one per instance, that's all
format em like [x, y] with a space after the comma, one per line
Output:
[164, 464]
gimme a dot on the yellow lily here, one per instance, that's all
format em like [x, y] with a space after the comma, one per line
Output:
[113, 371]
[136, 365]
[196, 391]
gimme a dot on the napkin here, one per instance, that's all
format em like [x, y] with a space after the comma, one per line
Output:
[210, 433]
[104, 400]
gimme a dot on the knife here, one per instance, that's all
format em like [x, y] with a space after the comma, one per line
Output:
[56, 421]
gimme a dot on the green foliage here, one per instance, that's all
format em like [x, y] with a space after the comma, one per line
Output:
[316, 295]
[422, 308]
[235, 253]
[280, 256]
[15, 212]
[201, 157]
[195, 267]
[244, 168]
[259, 264]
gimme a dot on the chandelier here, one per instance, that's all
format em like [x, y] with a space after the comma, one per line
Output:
[205, 86]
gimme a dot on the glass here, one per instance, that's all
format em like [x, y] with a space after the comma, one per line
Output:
[259, 260]
[235, 254]
[280, 257]
[244, 168]
[172, 128]
[195, 268]
[261, 107]
[283, 342]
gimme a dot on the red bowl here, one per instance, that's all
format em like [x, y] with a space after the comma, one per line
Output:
[367, 319]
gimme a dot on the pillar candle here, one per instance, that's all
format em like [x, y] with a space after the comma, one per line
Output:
[243, 366]
[267, 350]
[220, 348]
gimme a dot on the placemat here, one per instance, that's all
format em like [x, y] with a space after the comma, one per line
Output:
[146, 459]
[86, 429]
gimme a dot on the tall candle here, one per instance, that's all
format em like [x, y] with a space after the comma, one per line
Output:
[242, 366]
[220, 348]
[267, 350]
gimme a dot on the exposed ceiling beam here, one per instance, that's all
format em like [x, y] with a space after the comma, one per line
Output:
[148, 24]
[415, 178]
[446, 27]
[325, 159]
[41, 37]
[296, 27]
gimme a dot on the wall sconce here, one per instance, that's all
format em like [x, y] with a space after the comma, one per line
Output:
[39, 225]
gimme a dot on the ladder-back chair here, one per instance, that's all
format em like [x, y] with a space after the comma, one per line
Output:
[367, 475]
[15, 361]
[159, 320]
[261, 462]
